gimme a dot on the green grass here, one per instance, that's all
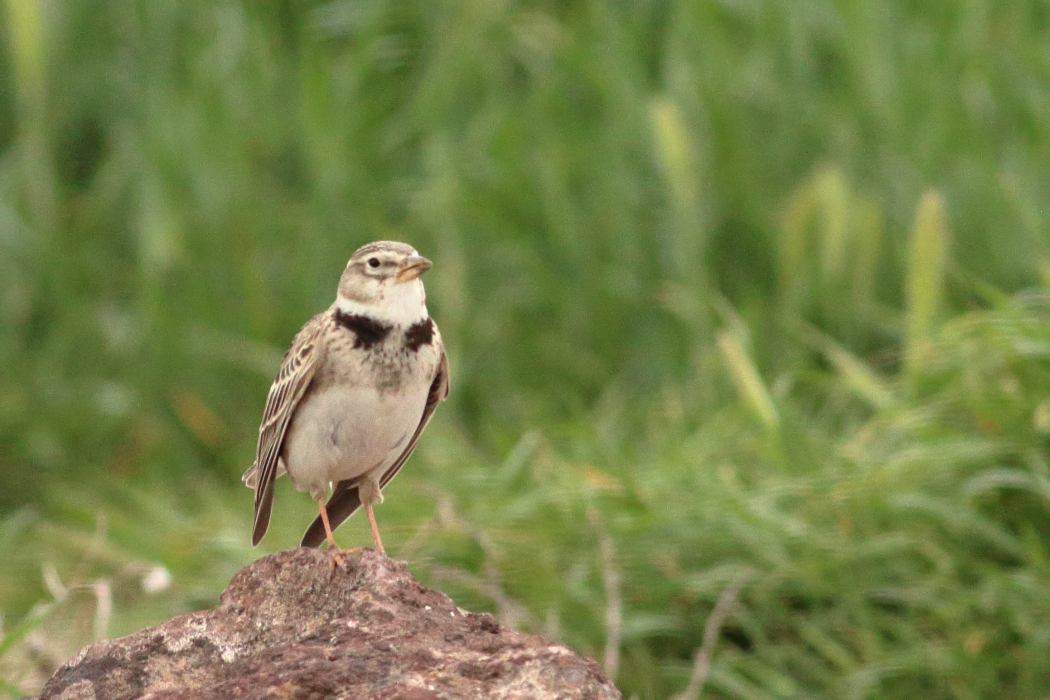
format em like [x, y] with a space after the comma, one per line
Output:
[730, 290]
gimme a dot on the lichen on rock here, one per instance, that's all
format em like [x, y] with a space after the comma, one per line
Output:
[292, 626]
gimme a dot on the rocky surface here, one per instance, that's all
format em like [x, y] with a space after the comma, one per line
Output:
[292, 626]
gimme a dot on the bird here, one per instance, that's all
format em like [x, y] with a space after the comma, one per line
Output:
[353, 394]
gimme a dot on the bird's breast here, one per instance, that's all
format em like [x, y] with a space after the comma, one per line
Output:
[342, 433]
[354, 419]
[404, 358]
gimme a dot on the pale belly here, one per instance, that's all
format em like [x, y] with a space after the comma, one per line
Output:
[343, 433]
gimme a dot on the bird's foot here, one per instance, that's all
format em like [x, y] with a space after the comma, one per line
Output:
[334, 560]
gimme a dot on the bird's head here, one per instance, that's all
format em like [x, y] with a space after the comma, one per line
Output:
[382, 281]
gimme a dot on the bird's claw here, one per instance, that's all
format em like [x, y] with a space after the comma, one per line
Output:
[334, 560]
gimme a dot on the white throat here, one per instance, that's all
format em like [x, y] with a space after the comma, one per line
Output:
[402, 304]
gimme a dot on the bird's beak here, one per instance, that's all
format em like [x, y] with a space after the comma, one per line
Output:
[412, 267]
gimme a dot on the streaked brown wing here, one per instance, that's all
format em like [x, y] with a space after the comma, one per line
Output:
[345, 499]
[293, 378]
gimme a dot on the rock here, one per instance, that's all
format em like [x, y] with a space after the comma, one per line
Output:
[292, 626]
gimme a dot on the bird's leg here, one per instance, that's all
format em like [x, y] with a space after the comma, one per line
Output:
[369, 493]
[333, 548]
[375, 529]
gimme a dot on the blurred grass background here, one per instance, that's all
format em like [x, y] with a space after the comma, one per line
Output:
[738, 295]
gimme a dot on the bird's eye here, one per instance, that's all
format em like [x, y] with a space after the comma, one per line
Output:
[373, 262]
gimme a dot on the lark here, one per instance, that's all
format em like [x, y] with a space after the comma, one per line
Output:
[353, 393]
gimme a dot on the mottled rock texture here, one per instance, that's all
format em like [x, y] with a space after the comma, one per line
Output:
[292, 626]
